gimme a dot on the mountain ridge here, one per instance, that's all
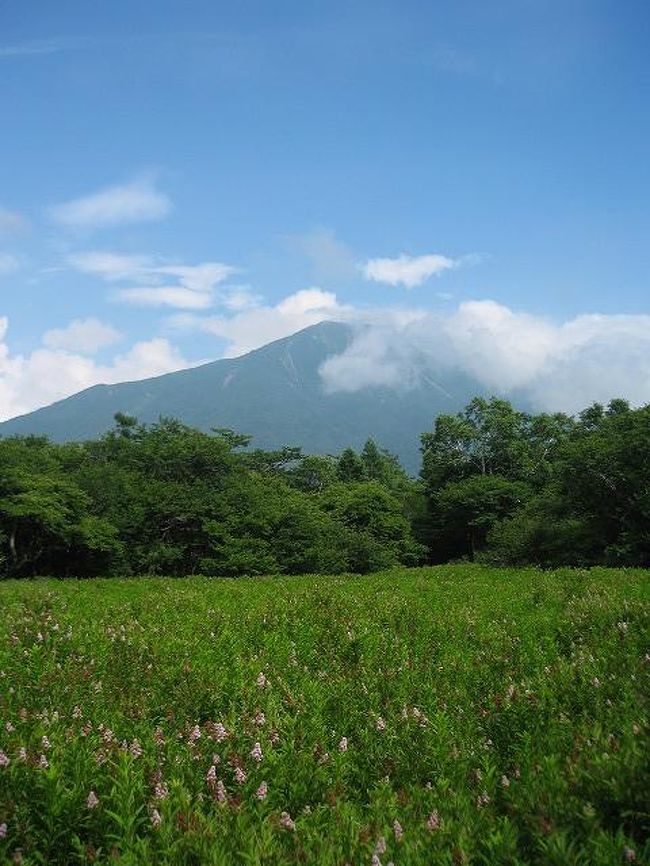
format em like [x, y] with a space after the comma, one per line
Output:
[273, 393]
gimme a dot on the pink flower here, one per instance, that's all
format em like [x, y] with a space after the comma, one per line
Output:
[3, 830]
[9, 728]
[211, 776]
[262, 791]
[154, 817]
[136, 749]
[398, 831]
[433, 821]
[343, 744]
[256, 753]
[195, 735]
[482, 800]
[159, 737]
[220, 733]
[4, 759]
[380, 847]
[505, 781]
[261, 681]
[220, 792]
[92, 801]
[43, 763]
[45, 743]
[380, 724]
[161, 791]
[22, 753]
[240, 776]
[629, 854]
[259, 719]
[76, 713]
[287, 822]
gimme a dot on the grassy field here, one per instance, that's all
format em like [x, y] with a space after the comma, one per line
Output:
[434, 716]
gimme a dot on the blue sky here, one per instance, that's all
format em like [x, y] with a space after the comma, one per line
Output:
[180, 181]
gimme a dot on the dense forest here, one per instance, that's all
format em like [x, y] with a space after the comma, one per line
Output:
[496, 484]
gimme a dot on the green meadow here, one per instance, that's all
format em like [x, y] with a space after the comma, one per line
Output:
[449, 715]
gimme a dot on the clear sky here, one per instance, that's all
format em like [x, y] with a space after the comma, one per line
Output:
[184, 180]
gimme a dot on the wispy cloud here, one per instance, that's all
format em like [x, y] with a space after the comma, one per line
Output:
[408, 271]
[31, 48]
[148, 279]
[138, 201]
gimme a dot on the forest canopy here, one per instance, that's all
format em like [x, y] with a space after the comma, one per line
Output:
[496, 484]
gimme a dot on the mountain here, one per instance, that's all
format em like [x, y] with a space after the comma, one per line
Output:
[274, 393]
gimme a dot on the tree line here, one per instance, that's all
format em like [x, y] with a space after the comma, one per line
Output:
[496, 484]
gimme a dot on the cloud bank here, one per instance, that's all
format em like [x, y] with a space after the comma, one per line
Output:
[553, 366]
[57, 369]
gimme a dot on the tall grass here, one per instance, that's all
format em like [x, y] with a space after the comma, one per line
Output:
[434, 716]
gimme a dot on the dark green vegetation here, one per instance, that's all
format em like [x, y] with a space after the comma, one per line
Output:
[452, 715]
[496, 484]
[275, 393]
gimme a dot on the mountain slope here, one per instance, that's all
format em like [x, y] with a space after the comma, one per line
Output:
[273, 393]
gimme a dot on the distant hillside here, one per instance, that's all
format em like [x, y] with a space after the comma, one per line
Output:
[273, 393]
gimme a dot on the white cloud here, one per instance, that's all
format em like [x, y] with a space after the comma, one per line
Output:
[8, 263]
[27, 381]
[258, 325]
[138, 201]
[408, 271]
[554, 366]
[195, 288]
[166, 296]
[86, 336]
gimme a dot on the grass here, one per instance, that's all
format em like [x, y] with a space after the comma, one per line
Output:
[432, 716]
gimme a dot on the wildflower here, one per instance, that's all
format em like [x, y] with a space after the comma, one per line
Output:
[343, 744]
[154, 817]
[43, 762]
[595, 682]
[629, 854]
[256, 753]
[433, 821]
[259, 719]
[262, 791]
[262, 681]
[220, 792]
[9, 728]
[4, 759]
[287, 822]
[161, 791]
[622, 627]
[92, 801]
[159, 737]
[136, 749]
[375, 861]
[240, 776]
[220, 733]
[482, 800]
[274, 737]
[211, 775]
[398, 831]
[195, 735]
[380, 847]
[380, 724]
[22, 753]
[505, 781]
[45, 743]
[636, 730]
[3, 830]
[107, 735]
[76, 713]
